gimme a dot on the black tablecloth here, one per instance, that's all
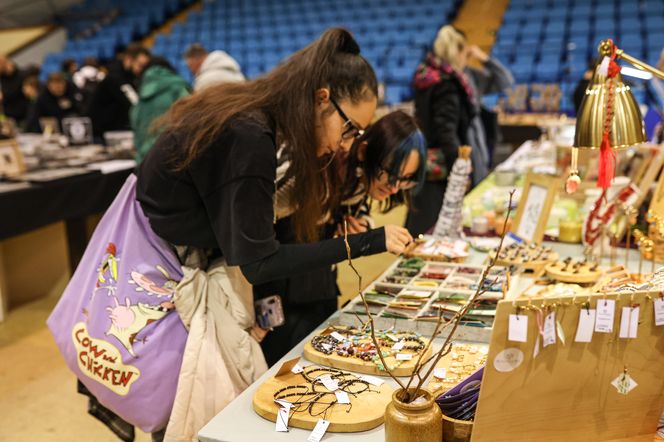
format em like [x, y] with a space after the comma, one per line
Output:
[65, 199]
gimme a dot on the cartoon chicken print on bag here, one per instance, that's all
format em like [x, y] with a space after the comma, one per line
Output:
[107, 273]
[129, 318]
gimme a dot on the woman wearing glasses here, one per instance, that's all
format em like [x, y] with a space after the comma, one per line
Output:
[385, 165]
[205, 191]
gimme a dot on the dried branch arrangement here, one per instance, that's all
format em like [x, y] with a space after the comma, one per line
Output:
[409, 394]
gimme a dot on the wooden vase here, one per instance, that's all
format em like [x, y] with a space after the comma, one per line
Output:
[421, 422]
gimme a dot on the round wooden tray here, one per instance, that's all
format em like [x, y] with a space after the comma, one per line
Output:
[358, 365]
[554, 271]
[367, 409]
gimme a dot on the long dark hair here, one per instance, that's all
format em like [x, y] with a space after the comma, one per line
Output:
[390, 140]
[286, 95]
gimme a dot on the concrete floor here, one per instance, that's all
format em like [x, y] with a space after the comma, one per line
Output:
[38, 399]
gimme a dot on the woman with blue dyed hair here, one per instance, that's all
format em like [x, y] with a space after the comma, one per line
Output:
[386, 164]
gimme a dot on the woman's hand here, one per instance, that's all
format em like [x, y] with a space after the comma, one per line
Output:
[258, 333]
[397, 239]
[476, 52]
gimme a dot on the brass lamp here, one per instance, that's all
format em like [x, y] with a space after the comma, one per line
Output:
[627, 124]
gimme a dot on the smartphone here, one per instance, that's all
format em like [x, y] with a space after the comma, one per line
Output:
[269, 312]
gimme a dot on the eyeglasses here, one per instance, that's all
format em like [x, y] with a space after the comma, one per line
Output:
[401, 182]
[351, 131]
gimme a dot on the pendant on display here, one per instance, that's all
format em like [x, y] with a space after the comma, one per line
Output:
[573, 180]
[624, 383]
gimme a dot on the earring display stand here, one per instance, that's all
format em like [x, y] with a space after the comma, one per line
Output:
[365, 412]
[565, 392]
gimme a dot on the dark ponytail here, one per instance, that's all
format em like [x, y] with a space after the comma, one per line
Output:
[287, 96]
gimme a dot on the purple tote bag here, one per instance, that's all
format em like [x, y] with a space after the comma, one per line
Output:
[115, 323]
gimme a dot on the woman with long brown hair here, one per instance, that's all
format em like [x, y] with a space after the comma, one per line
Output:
[205, 192]
[384, 165]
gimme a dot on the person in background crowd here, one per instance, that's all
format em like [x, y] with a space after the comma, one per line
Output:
[160, 87]
[383, 165]
[582, 85]
[211, 68]
[448, 108]
[69, 68]
[86, 80]
[116, 93]
[31, 88]
[56, 100]
[14, 103]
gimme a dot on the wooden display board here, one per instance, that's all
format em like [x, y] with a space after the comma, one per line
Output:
[366, 412]
[532, 214]
[565, 393]
[359, 366]
[11, 159]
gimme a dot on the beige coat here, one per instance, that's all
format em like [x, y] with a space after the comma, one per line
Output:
[221, 359]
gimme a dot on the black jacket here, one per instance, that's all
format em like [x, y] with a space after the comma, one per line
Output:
[14, 103]
[48, 105]
[444, 113]
[110, 104]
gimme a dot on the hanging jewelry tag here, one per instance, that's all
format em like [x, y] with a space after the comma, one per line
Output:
[659, 311]
[584, 331]
[518, 328]
[629, 322]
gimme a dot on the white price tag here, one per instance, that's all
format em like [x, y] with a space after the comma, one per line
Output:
[372, 380]
[327, 347]
[297, 369]
[329, 383]
[518, 328]
[439, 373]
[606, 310]
[319, 431]
[392, 337]
[584, 331]
[281, 424]
[284, 404]
[338, 336]
[399, 345]
[404, 356]
[342, 397]
[549, 329]
[629, 322]
[659, 311]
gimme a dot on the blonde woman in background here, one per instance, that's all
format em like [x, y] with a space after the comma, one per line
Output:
[448, 108]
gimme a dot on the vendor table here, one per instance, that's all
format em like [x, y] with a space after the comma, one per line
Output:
[239, 422]
[26, 207]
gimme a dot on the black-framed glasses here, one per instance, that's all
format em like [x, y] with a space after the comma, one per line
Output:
[401, 182]
[351, 131]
